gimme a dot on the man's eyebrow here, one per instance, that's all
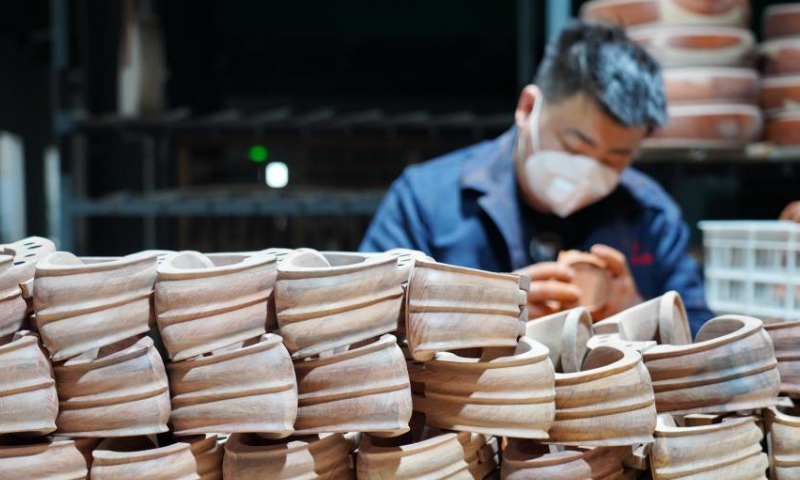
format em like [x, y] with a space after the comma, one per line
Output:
[584, 138]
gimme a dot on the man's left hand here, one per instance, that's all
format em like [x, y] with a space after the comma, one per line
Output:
[624, 293]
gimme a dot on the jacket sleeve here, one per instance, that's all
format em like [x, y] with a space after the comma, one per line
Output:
[398, 223]
[679, 270]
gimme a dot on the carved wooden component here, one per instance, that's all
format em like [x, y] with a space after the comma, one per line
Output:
[784, 128]
[365, 389]
[57, 460]
[206, 303]
[779, 94]
[566, 335]
[731, 367]
[207, 454]
[711, 85]
[450, 308]
[630, 13]
[696, 45]
[502, 393]
[28, 400]
[591, 276]
[137, 459]
[332, 300]
[17, 264]
[246, 388]
[526, 460]
[780, 56]
[323, 457]
[81, 306]
[781, 21]
[662, 319]
[723, 125]
[784, 443]
[727, 450]
[609, 403]
[117, 391]
[786, 342]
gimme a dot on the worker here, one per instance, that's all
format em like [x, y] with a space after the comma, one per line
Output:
[560, 178]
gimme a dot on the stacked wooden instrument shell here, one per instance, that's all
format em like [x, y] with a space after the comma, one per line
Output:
[786, 342]
[526, 460]
[17, 265]
[49, 459]
[783, 442]
[137, 458]
[780, 64]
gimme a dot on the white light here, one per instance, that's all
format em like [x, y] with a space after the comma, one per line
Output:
[276, 174]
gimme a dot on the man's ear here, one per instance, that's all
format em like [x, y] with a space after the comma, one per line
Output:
[530, 94]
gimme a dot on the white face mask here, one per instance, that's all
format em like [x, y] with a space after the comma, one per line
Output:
[564, 182]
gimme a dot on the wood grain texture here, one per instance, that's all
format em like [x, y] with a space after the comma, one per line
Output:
[786, 342]
[724, 125]
[566, 335]
[662, 319]
[609, 403]
[17, 265]
[730, 367]
[118, 391]
[138, 459]
[781, 21]
[783, 426]
[697, 45]
[324, 301]
[316, 457]
[504, 392]
[591, 276]
[784, 128]
[28, 399]
[202, 306]
[780, 56]
[780, 94]
[729, 450]
[80, 307]
[695, 85]
[526, 460]
[365, 389]
[630, 13]
[208, 454]
[57, 460]
[247, 388]
[450, 308]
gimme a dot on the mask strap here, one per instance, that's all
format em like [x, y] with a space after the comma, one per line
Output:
[534, 120]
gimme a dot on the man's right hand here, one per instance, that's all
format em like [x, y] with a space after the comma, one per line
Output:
[550, 288]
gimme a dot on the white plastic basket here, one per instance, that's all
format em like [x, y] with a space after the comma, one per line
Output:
[752, 267]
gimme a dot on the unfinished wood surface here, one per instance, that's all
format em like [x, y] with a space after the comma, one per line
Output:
[116, 391]
[723, 125]
[781, 21]
[504, 392]
[80, 307]
[783, 425]
[138, 459]
[332, 300]
[315, 457]
[566, 335]
[206, 303]
[17, 265]
[662, 319]
[730, 450]
[28, 400]
[730, 367]
[697, 45]
[786, 342]
[630, 13]
[450, 308]
[527, 460]
[609, 403]
[705, 85]
[246, 388]
[779, 94]
[365, 389]
[591, 276]
[780, 56]
[42, 460]
[207, 454]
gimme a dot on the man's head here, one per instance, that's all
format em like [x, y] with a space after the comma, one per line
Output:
[602, 95]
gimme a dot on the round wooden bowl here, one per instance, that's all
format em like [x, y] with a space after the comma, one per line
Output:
[137, 458]
[780, 56]
[28, 400]
[118, 391]
[609, 403]
[450, 308]
[250, 457]
[730, 367]
[566, 335]
[202, 306]
[786, 341]
[630, 13]
[697, 45]
[17, 265]
[662, 319]
[328, 301]
[780, 94]
[705, 85]
[365, 389]
[80, 307]
[249, 387]
[503, 392]
[783, 426]
[207, 454]
[527, 460]
[591, 276]
[709, 126]
[784, 128]
[781, 21]
[55, 460]
[730, 449]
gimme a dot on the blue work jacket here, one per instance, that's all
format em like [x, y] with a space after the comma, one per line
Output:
[463, 208]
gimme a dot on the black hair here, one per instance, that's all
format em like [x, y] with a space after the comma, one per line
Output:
[600, 61]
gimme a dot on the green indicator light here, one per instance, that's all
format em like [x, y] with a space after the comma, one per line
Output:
[258, 153]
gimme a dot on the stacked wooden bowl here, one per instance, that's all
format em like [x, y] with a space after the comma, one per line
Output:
[707, 54]
[780, 64]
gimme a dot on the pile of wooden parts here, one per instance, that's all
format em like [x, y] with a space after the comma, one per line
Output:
[298, 364]
[780, 61]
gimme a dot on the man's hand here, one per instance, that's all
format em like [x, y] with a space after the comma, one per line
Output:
[550, 288]
[624, 293]
[791, 212]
